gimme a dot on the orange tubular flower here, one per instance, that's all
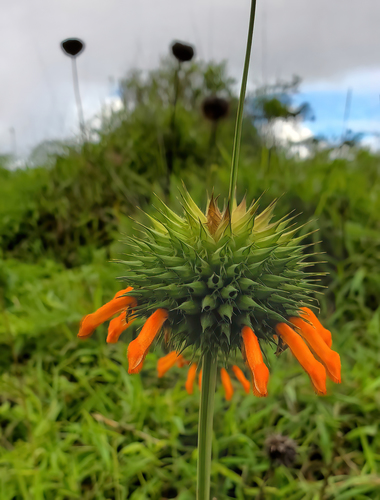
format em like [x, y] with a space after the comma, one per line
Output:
[241, 378]
[227, 384]
[313, 368]
[307, 332]
[117, 326]
[138, 348]
[329, 358]
[164, 364]
[254, 360]
[191, 374]
[312, 318]
[114, 306]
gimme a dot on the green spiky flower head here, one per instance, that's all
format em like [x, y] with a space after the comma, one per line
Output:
[218, 271]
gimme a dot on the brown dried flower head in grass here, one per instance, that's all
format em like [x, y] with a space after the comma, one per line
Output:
[281, 450]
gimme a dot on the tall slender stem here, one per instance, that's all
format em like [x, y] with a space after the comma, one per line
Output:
[172, 150]
[176, 94]
[206, 416]
[206, 410]
[78, 98]
[239, 116]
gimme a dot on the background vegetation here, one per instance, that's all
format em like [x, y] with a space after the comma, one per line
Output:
[73, 424]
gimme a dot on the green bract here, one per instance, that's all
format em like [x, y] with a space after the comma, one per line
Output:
[216, 273]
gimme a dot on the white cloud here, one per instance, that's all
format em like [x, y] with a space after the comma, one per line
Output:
[371, 142]
[291, 131]
[289, 134]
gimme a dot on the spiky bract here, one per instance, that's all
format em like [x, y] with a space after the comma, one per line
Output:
[218, 272]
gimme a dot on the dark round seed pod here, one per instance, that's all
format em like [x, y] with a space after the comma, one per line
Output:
[215, 108]
[281, 449]
[182, 51]
[72, 47]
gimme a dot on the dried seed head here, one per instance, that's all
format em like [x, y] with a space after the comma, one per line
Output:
[182, 51]
[281, 449]
[215, 108]
[72, 47]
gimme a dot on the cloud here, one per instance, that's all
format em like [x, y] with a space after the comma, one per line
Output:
[371, 142]
[289, 134]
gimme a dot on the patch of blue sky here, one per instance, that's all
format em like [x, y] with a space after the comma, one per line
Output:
[329, 109]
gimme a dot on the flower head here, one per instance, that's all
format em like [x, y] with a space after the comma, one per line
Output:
[220, 282]
[182, 51]
[215, 108]
[72, 47]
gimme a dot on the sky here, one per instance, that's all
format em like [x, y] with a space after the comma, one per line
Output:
[333, 45]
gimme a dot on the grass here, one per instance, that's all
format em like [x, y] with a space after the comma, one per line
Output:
[75, 425]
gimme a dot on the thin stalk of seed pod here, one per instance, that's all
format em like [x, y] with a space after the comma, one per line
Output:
[78, 98]
[212, 141]
[239, 116]
[176, 93]
[206, 416]
[173, 145]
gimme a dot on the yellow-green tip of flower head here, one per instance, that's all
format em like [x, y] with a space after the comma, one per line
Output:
[217, 272]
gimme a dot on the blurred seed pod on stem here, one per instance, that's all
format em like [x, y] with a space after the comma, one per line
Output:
[183, 52]
[73, 47]
[214, 109]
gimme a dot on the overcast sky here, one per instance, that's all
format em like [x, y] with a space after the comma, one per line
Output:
[331, 44]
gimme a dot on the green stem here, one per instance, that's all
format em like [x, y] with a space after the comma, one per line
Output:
[206, 416]
[172, 147]
[78, 98]
[239, 116]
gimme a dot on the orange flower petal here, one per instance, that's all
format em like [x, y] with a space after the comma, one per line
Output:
[313, 368]
[114, 306]
[138, 348]
[254, 359]
[256, 392]
[117, 327]
[166, 362]
[227, 384]
[323, 332]
[191, 374]
[329, 358]
[241, 378]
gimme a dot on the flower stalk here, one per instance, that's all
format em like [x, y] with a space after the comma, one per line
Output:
[209, 370]
[205, 425]
[239, 116]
